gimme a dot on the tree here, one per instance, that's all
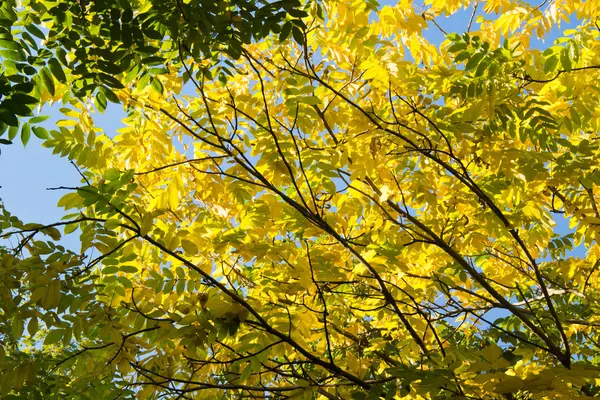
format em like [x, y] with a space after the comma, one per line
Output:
[353, 213]
[55, 50]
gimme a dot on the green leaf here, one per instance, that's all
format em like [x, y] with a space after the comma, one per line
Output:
[156, 85]
[482, 67]
[47, 79]
[100, 102]
[127, 15]
[38, 119]
[27, 70]
[180, 287]
[130, 269]
[25, 134]
[565, 59]
[462, 56]
[168, 288]
[356, 395]
[24, 98]
[13, 130]
[70, 228]
[16, 107]
[296, 13]
[152, 33]
[110, 270]
[53, 337]
[286, 29]
[222, 78]
[109, 67]
[550, 64]
[35, 31]
[13, 55]
[112, 174]
[147, 49]
[126, 37]
[311, 100]
[153, 60]
[5, 141]
[492, 352]
[298, 35]
[320, 12]
[30, 40]
[32, 326]
[61, 54]
[109, 94]
[168, 273]
[52, 232]
[549, 51]
[9, 44]
[573, 51]
[474, 61]
[115, 31]
[110, 81]
[8, 117]
[457, 47]
[375, 393]
[329, 185]
[17, 328]
[40, 132]
[143, 81]
[57, 70]
[158, 71]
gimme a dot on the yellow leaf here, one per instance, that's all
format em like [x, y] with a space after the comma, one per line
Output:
[173, 194]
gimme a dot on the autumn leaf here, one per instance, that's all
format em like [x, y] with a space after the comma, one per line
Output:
[326, 199]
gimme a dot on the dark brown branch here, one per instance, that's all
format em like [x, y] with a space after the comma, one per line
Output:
[529, 79]
[322, 297]
[193, 160]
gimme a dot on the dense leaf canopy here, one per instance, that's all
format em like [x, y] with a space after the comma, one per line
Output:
[76, 48]
[309, 201]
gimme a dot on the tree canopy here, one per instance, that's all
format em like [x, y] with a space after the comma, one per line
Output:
[316, 200]
[53, 49]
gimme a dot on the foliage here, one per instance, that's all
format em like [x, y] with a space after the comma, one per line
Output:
[54, 50]
[353, 212]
